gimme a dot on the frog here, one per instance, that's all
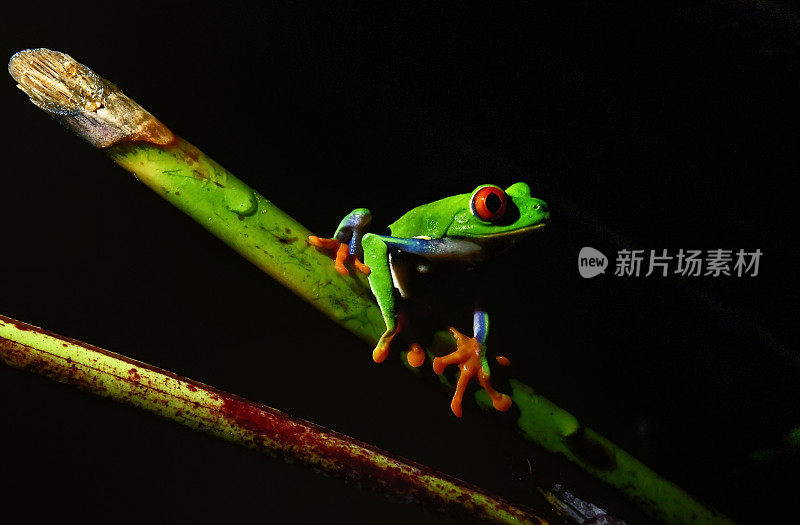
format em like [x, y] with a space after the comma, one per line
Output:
[464, 229]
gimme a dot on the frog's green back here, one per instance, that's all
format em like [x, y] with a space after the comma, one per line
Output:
[430, 220]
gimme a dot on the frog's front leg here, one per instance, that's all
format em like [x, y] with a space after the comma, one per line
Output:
[470, 356]
[346, 241]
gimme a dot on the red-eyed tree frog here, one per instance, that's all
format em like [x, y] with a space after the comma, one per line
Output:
[464, 229]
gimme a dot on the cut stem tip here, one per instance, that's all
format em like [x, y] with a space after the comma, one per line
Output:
[56, 82]
[94, 108]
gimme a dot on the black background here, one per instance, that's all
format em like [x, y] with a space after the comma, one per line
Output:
[650, 127]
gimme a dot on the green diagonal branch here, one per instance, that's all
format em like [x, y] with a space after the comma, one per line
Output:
[254, 227]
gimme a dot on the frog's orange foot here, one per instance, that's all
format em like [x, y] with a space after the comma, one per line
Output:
[342, 254]
[415, 356]
[469, 358]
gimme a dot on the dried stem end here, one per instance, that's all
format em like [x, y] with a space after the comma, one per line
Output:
[94, 108]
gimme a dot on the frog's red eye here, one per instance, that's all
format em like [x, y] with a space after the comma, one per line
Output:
[489, 203]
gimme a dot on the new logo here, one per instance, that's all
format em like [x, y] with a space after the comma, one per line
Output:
[591, 262]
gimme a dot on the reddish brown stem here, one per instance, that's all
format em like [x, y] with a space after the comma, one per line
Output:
[242, 421]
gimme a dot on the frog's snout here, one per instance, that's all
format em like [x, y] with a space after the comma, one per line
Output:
[542, 208]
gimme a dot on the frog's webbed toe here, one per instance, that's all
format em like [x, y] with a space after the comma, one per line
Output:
[469, 358]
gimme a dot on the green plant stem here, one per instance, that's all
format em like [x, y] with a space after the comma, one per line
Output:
[243, 422]
[253, 226]
[271, 240]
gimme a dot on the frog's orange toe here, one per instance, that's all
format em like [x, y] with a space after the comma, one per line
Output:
[502, 403]
[379, 354]
[415, 356]
[438, 365]
[341, 256]
[503, 361]
[382, 348]
[361, 267]
[319, 242]
[455, 406]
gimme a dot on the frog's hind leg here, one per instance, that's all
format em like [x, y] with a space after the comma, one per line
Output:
[376, 256]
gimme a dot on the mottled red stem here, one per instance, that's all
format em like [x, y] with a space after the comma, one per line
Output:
[241, 421]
